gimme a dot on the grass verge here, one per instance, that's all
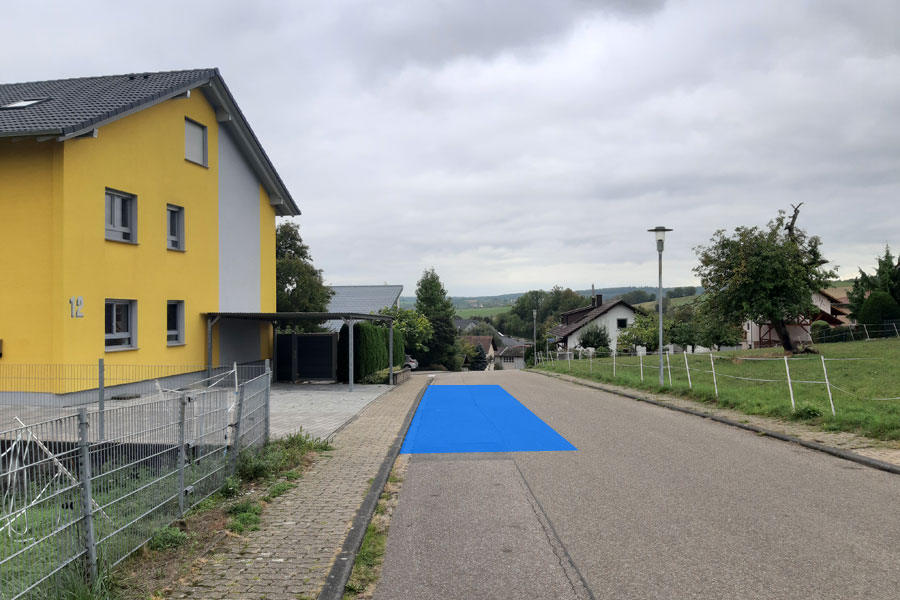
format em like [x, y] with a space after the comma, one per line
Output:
[367, 568]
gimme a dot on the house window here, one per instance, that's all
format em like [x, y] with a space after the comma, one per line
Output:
[121, 324]
[508, 359]
[195, 142]
[175, 322]
[174, 227]
[121, 217]
[621, 323]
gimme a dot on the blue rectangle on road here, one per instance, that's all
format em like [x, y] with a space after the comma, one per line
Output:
[477, 418]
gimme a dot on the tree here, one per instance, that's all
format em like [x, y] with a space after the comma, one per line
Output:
[685, 331]
[645, 332]
[765, 275]
[712, 331]
[416, 328]
[594, 336]
[479, 361]
[299, 286]
[885, 279]
[432, 301]
[880, 307]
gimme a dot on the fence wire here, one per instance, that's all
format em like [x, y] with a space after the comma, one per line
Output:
[85, 490]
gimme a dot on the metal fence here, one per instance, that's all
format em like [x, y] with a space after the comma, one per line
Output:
[856, 333]
[82, 491]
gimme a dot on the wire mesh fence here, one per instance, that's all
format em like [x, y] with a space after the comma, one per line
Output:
[83, 491]
[862, 388]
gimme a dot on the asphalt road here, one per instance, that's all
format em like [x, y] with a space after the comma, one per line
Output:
[653, 504]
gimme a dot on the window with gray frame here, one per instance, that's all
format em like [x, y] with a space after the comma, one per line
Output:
[195, 142]
[121, 217]
[174, 227]
[121, 324]
[621, 323]
[175, 322]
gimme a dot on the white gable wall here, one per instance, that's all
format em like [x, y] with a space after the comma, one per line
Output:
[608, 320]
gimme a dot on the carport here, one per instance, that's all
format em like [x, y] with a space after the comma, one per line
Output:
[347, 317]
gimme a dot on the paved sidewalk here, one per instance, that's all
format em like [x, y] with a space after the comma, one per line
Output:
[319, 409]
[302, 532]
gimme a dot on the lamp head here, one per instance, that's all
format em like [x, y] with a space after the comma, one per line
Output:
[660, 232]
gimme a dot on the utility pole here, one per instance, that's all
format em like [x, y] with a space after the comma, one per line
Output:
[660, 232]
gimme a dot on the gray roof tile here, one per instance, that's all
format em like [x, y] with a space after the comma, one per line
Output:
[364, 299]
[73, 104]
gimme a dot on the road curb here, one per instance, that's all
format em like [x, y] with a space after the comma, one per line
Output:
[343, 564]
[844, 454]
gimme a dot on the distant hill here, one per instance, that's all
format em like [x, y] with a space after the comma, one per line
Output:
[466, 302]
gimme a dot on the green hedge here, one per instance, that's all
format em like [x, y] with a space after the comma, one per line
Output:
[370, 345]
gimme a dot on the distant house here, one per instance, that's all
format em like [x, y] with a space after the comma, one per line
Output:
[830, 310]
[486, 342]
[615, 316]
[511, 357]
[365, 299]
[464, 325]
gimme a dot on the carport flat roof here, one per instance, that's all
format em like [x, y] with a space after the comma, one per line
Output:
[287, 316]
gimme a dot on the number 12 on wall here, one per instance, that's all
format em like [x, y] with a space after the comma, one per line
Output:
[76, 303]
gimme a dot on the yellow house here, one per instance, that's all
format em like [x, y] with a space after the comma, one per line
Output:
[130, 206]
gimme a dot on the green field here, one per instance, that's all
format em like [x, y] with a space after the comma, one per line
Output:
[649, 306]
[490, 311]
[865, 389]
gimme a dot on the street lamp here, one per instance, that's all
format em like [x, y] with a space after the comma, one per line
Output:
[660, 232]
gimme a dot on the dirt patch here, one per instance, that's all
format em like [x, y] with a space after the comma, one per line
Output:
[886, 451]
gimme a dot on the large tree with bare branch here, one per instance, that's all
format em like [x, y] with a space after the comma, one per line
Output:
[764, 275]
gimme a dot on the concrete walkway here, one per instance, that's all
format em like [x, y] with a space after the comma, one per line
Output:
[653, 504]
[302, 532]
[320, 409]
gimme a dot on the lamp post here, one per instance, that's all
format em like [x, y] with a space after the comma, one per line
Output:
[660, 232]
[534, 333]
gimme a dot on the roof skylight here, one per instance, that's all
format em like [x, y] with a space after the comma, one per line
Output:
[23, 103]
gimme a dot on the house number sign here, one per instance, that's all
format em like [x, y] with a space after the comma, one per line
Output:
[76, 303]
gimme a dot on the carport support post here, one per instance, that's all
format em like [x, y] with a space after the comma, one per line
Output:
[350, 352]
[391, 355]
[209, 325]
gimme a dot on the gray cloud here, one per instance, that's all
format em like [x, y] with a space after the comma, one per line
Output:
[514, 145]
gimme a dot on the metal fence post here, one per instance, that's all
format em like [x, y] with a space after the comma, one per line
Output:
[687, 369]
[828, 385]
[787, 370]
[268, 433]
[101, 400]
[715, 383]
[236, 431]
[87, 503]
[669, 368]
[182, 402]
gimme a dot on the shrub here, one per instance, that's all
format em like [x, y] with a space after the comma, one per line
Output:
[370, 350]
[805, 412]
[479, 362]
[594, 336]
[817, 329]
[167, 537]
[879, 307]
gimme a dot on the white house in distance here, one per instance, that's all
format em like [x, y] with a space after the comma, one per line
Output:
[615, 316]
[763, 335]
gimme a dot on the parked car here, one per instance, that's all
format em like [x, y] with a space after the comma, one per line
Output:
[410, 362]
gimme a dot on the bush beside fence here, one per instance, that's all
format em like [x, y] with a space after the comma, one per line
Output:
[370, 344]
[76, 499]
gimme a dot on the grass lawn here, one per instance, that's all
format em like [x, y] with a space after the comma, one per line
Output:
[649, 306]
[862, 388]
[490, 311]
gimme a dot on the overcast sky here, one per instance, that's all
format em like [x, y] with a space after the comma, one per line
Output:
[521, 144]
